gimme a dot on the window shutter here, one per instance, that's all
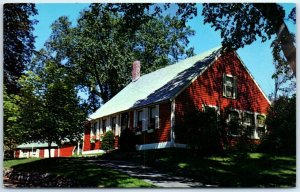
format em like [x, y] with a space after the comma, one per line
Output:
[224, 84]
[145, 119]
[100, 125]
[157, 117]
[135, 119]
[234, 87]
[97, 129]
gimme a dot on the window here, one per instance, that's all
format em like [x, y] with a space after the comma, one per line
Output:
[113, 124]
[94, 128]
[104, 126]
[124, 121]
[261, 130]
[152, 114]
[249, 124]
[234, 123]
[229, 86]
[260, 119]
[34, 152]
[139, 120]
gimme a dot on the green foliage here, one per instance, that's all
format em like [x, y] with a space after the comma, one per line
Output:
[12, 130]
[242, 23]
[100, 49]
[127, 140]
[18, 42]
[108, 142]
[281, 121]
[50, 108]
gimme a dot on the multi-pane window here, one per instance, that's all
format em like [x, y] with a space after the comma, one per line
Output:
[261, 130]
[249, 124]
[104, 126]
[140, 119]
[152, 114]
[229, 86]
[113, 124]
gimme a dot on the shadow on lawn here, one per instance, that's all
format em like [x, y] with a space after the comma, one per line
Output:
[231, 170]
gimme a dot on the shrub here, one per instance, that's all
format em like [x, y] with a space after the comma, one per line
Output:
[203, 133]
[127, 140]
[108, 142]
[281, 122]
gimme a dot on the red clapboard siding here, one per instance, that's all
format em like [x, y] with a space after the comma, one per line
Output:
[163, 133]
[87, 131]
[56, 152]
[66, 150]
[208, 89]
[17, 153]
[41, 154]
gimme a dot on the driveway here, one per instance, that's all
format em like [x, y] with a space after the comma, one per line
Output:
[150, 175]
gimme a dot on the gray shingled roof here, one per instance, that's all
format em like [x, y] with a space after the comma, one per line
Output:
[157, 86]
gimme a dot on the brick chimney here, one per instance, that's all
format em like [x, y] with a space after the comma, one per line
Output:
[136, 68]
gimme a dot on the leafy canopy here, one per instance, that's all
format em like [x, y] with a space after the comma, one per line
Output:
[18, 42]
[100, 49]
[241, 24]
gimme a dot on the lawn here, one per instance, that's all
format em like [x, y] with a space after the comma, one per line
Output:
[87, 174]
[230, 170]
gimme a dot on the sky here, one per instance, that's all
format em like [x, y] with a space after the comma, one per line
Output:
[257, 56]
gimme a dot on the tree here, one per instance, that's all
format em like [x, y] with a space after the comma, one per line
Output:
[281, 121]
[50, 108]
[18, 41]
[12, 130]
[285, 81]
[99, 51]
[242, 23]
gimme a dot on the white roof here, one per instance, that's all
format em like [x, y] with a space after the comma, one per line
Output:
[35, 145]
[157, 86]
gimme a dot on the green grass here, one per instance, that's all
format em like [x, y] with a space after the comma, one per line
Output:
[231, 170]
[14, 162]
[87, 174]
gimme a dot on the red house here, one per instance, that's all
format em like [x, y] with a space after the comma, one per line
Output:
[151, 105]
[40, 150]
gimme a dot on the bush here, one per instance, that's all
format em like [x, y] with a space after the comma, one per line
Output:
[281, 122]
[108, 142]
[127, 140]
[203, 133]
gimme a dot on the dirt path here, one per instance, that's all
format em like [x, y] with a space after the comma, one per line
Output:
[150, 175]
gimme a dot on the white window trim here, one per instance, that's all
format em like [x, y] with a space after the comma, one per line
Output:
[241, 115]
[254, 134]
[234, 86]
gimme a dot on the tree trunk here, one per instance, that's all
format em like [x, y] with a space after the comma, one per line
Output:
[272, 13]
[49, 149]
